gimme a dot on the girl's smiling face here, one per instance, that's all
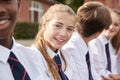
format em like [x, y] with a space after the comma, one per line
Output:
[114, 28]
[59, 30]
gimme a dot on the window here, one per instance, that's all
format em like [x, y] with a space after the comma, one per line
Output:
[36, 11]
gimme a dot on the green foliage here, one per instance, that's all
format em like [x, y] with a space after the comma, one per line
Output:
[25, 30]
[74, 4]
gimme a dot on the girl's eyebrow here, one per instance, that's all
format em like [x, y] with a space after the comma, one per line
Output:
[60, 23]
[63, 24]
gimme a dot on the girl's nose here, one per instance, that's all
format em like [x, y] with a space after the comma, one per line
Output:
[63, 32]
[112, 26]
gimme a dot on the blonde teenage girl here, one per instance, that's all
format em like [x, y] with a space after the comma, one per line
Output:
[56, 28]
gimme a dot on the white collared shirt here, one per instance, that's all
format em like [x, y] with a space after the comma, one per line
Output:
[97, 48]
[30, 59]
[70, 68]
[78, 49]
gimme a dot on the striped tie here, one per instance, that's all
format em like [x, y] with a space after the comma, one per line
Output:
[59, 64]
[108, 57]
[17, 69]
[89, 66]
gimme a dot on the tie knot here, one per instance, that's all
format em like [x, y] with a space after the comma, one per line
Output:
[57, 60]
[59, 64]
[87, 55]
[12, 58]
[107, 44]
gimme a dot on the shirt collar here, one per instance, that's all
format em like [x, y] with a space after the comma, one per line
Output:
[84, 47]
[103, 39]
[52, 53]
[4, 54]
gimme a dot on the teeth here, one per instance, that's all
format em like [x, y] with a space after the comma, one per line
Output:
[60, 40]
[3, 22]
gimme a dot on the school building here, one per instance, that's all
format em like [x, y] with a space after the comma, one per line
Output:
[32, 10]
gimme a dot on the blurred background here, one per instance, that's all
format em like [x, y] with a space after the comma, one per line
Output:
[31, 12]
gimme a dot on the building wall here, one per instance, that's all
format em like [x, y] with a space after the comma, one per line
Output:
[46, 4]
[25, 14]
[24, 11]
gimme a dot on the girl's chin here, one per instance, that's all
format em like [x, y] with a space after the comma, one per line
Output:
[57, 46]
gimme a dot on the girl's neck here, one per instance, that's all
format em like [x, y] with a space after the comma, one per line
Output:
[52, 48]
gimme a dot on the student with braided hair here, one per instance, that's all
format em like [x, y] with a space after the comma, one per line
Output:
[56, 28]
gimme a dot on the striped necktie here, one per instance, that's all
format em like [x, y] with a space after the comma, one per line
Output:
[59, 64]
[89, 66]
[17, 69]
[108, 57]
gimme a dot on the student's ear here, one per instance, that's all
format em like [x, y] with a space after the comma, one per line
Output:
[44, 26]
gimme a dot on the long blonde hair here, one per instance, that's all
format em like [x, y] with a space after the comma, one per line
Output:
[39, 40]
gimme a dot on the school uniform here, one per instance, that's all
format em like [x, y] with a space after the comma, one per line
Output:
[78, 49]
[97, 49]
[29, 58]
[118, 62]
[70, 67]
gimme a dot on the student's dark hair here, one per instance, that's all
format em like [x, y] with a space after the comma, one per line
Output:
[116, 39]
[92, 17]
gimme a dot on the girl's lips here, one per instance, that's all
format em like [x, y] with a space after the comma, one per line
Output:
[59, 41]
[111, 30]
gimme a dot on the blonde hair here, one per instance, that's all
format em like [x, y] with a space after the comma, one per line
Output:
[39, 40]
